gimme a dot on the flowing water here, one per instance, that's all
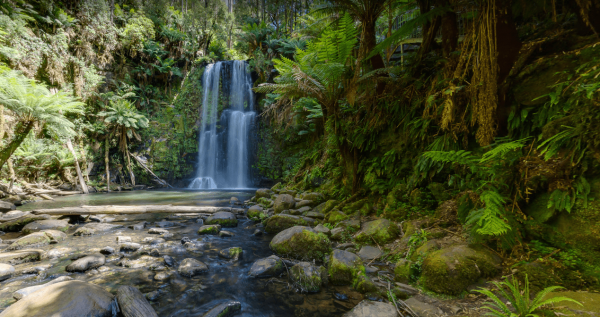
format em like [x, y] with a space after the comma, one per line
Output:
[224, 141]
[177, 295]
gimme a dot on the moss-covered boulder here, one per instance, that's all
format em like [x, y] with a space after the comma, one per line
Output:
[362, 206]
[344, 267]
[316, 197]
[15, 225]
[223, 218]
[37, 239]
[280, 222]
[326, 206]
[284, 202]
[451, 270]
[265, 202]
[301, 243]
[422, 251]
[382, 231]
[256, 213]
[233, 253]
[308, 277]
[209, 229]
[403, 271]
[335, 216]
[363, 284]
[263, 192]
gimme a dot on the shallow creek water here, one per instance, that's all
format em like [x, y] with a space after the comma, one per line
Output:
[181, 296]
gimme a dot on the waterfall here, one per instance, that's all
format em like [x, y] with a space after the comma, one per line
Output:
[223, 147]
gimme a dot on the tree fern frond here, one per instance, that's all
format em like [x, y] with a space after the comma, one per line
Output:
[501, 150]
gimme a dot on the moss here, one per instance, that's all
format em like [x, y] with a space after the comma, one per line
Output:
[18, 224]
[306, 277]
[327, 206]
[235, 252]
[364, 285]
[342, 274]
[222, 222]
[210, 229]
[265, 202]
[305, 245]
[280, 222]
[423, 250]
[402, 271]
[335, 216]
[381, 231]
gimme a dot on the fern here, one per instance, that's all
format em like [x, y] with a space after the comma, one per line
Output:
[522, 305]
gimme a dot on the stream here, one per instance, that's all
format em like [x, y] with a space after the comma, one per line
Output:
[172, 294]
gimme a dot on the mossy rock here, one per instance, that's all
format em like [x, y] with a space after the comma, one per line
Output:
[438, 191]
[265, 202]
[344, 267]
[209, 229]
[223, 218]
[49, 224]
[284, 202]
[423, 250]
[307, 277]
[451, 270]
[403, 271]
[38, 239]
[254, 211]
[381, 231]
[538, 208]
[263, 193]
[362, 206]
[364, 285]
[316, 197]
[233, 253]
[16, 225]
[335, 216]
[280, 222]
[301, 243]
[542, 275]
[326, 207]
[84, 231]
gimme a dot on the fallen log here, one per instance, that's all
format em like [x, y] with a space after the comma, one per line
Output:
[65, 193]
[46, 197]
[125, 210]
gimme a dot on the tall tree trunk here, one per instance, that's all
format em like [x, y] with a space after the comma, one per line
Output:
[129, 168]
[21, 133]
[11, 172]
[449, 30]
[83, 161]
[106, 148]
[587, 12]
[368, 43]
[79, 174]
[1, 122]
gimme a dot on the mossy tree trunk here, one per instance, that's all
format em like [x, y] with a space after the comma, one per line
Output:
[21, 133]
[106, 161]
[79, 174]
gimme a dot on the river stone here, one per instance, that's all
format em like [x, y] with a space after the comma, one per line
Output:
[267, 267]
[107, 250]
[316, 197]
[38, 239]
[350, 224]
[59, 252]
[101, 226]
[280, 222]
[301, 243]
[255, 212]
[335, 216]
[427, 247]
[6, 271]
[322, 229]
[145, 261]
[403, 271]
[368, 308]
[381, 231]
[162, 276]
[169, 261]
[223, 218]
[283, 202]
[226, 234]
[66, 299]
[158, 231]
[39, 225]
[224, 310]
[233, 253]
[191, 267]
[344, 267]
[337, 233]
[84, 231]
[451, 270]
[21, 256]
[308, 277]
[6, 206]
[306, 203]
[315, 215]
[130, 246]
[28, 290]
[263, 192]
[17, 224]
[210, 229]
[132, 303]
[368, 253]
[88, 262]
[123, 239]
[138, 226]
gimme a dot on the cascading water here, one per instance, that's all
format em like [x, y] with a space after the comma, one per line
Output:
[223, 149]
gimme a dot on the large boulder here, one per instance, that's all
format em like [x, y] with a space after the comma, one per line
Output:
[369, 253]
[69, 298]
[302, 243]
[308, 277]
[133, 303]
[87, 262]
[28, 290]
[226, 309]
[451, 270]
[263, 193]
[284, 202]
[381, 231]
[6, 206]
[368, 308]
[256, 213]
[344, 267]
[223, 218]
[39, 225]
[37, 239]
[267, 267]
[280, 222]
[191, 267]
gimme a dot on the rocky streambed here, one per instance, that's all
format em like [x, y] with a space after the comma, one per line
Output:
[167, 264]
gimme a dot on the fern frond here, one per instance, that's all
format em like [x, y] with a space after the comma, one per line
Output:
[460, 157]
[501, 150]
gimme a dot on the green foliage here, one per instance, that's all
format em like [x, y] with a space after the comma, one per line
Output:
[138, 30]
[521, 303]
